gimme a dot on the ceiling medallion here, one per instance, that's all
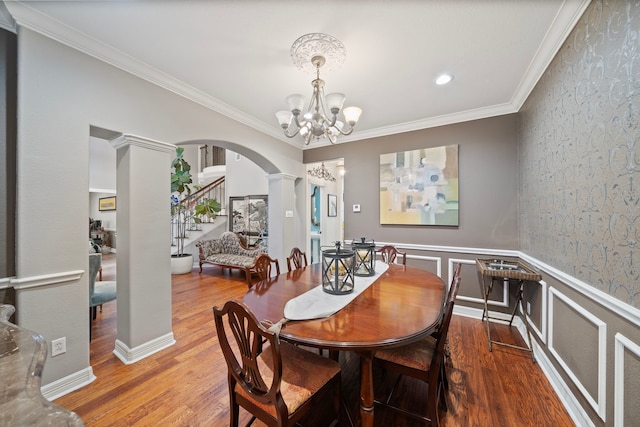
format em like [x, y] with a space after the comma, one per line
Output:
[317, 44]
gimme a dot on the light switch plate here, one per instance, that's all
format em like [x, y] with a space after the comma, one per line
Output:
[356, 208]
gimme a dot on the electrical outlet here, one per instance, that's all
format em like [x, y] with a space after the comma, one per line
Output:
[58, 346]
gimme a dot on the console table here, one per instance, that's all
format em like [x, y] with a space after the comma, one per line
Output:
[512, 271]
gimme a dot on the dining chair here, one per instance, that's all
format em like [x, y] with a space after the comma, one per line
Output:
[447, 349]
[100, 292]
[422, 360]
[389, 253]
[263, 266]
[275, 381]
[297, 258]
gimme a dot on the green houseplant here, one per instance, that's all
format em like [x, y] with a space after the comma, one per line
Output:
[184, 210]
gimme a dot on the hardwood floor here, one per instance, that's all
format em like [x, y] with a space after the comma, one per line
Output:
[186, 384]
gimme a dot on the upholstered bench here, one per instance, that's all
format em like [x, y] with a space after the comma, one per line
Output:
[229, 252]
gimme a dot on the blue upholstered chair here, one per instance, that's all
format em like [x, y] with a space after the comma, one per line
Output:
[99, 291]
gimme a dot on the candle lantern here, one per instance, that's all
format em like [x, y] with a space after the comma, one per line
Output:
[365, 251]
[337, 270]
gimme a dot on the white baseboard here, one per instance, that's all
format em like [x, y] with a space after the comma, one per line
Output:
[132, 355]
[68, 384]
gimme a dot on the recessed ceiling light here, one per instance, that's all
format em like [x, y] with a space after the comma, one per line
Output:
[443, 79]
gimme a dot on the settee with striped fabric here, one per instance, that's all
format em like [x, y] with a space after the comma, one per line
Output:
[228, 251]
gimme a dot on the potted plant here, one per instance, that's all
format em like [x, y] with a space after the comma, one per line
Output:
[183, 210]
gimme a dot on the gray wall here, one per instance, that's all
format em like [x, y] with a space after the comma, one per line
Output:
[580, 155]
[579, 211]
[488, 167]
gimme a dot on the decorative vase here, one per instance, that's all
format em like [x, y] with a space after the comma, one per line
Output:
[181, 264]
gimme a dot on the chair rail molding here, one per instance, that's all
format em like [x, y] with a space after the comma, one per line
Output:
[46, 279]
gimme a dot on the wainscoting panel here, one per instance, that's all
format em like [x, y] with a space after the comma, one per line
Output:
[465, 272]
[577, 341]
[430, 260]
[501, 289]
[541, 331]
[627, 382]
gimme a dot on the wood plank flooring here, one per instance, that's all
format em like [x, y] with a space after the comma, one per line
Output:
[186, 384]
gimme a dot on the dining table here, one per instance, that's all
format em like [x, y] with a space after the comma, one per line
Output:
[400, 305]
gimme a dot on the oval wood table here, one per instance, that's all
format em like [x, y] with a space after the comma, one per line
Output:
[403, 305]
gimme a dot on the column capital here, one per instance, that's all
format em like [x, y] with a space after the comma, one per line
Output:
[281, 177]
[125, 140]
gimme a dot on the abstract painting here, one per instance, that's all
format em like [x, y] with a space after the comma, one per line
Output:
[420, 187]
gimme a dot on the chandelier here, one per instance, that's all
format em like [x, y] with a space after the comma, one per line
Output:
[310, 53]
[322, 172]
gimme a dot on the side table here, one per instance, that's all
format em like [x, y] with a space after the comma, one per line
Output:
[512, 271]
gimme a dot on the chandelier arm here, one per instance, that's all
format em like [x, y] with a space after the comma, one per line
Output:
[297, 122]
[288, 135]
[291, 135]
[343, 132]
[307, 138]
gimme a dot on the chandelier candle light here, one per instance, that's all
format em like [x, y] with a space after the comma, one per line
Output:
[312, 52]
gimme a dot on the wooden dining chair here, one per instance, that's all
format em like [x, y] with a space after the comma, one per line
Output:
[297, 258]
[263, 266]
[422, 360]
[447, 350]
[389, 253]
[275, 381]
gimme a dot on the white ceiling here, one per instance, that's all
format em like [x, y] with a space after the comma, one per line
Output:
[233, 56]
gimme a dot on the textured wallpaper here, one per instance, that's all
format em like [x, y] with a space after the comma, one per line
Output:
[580, 154]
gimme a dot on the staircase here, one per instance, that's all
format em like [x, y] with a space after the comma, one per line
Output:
[207, 226]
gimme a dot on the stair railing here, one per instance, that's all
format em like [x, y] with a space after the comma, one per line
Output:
[214, 190]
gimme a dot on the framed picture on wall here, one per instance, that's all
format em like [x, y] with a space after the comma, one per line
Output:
[420, 187]
[107, 203]
[332, 207]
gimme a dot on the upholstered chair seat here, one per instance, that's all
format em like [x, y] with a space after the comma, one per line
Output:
[303, 376]
[417, 355]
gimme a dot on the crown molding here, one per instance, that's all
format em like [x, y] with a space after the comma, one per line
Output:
[34, 20]
[562, 25]
[431, 122]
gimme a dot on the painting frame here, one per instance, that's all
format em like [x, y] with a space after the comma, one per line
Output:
[420, 187]
[107, 204]
[332, 205]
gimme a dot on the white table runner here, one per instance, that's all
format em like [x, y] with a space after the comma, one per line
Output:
[317, 304]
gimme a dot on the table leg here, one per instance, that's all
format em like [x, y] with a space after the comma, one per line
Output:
[366, 388]
[485, 313]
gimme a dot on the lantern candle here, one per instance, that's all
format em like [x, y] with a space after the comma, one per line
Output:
[365, 257]
[338, 270]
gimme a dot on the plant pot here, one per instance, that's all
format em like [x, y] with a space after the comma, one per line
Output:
[181, 264]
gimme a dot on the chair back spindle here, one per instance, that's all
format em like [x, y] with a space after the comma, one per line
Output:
[297, 259]
[389, 254]
[263, 266]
